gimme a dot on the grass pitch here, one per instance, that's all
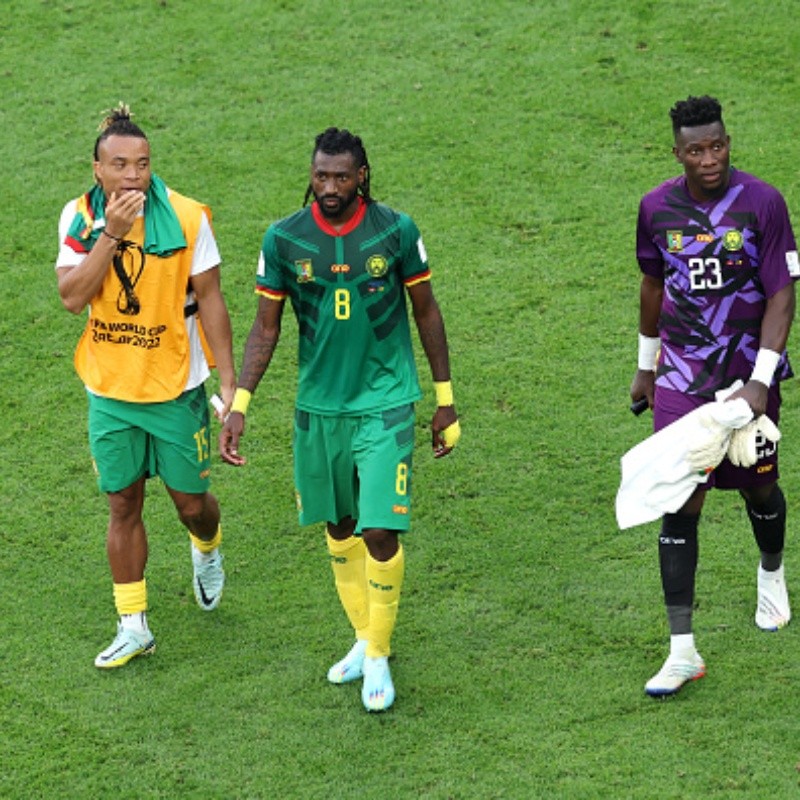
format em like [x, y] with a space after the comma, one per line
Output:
[520, 137]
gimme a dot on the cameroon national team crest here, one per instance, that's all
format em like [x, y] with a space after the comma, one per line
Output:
[674, 241]
[305, 272]
[733, 240]
[377, 266]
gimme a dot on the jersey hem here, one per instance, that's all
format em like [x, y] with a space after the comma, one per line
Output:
[360, 412]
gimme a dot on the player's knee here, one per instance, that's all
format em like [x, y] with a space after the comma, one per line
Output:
[198, 512]
[763, 498]
[381, 543]
[343, 529]
[125, 506]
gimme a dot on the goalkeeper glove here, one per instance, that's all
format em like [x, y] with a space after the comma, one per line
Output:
[742, 450]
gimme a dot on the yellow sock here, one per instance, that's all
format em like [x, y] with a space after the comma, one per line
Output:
[384, 580]
[130, 598]
[204, 546]
[347, 562]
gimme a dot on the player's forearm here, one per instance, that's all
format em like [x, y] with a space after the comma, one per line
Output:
[651, 294]
[777, 321]
[258, 352]
[217, 329]
[434, 342]
[78, 285]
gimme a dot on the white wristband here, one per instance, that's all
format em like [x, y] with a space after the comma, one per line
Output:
[648, 351]
[766, 364]
[216, 401]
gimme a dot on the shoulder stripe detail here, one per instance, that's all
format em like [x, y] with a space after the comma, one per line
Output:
[415, 279]
[270, 294]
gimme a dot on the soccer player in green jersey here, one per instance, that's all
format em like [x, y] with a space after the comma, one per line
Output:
[346, 263]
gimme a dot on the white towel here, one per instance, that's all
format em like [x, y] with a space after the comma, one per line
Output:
[657, 477]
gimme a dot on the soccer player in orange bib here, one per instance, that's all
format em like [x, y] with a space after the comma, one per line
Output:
[143, 258]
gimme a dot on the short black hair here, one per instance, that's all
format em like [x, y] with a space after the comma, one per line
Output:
[117, 122]
[695, 111]
[332, 142]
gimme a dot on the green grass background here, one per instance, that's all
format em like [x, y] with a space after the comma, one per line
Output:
[520, 137]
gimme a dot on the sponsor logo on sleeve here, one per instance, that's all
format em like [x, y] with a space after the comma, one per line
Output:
[792, 263]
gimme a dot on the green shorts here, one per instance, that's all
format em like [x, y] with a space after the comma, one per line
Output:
[131, 440]
[357, 467]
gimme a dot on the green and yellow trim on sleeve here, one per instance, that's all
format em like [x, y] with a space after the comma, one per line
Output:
[415, 279]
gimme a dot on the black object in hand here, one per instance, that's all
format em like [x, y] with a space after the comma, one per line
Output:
[638, 406]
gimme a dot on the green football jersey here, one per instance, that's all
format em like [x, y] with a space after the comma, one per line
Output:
[347, 290]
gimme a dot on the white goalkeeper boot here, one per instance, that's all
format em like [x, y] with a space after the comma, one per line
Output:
[772, 610]
[680, 667]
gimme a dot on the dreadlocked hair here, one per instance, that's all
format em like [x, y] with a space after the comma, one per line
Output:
[117, 122]
[695, 111]
[334, 141]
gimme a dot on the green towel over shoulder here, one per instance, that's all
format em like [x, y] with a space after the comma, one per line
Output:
[162, 229]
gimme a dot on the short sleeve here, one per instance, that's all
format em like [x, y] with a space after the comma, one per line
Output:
[67, 257]
[777, 248]
[270, 278]
[414, 267]
[647, 253]
[206, 253]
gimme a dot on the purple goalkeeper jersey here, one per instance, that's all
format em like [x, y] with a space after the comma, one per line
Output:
[720, 261]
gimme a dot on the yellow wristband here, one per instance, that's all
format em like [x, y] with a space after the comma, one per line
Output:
[241, 400]
[444, 393]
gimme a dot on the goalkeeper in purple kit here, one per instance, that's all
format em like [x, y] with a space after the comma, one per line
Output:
[718, 259]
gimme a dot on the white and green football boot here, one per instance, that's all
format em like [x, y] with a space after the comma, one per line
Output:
[209, 578]
[126, 645]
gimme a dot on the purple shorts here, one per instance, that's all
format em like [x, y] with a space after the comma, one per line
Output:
[671, 405]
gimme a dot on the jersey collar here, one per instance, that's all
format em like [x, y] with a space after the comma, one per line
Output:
[349, 226]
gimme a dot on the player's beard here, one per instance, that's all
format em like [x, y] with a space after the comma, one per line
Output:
[331, 211]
